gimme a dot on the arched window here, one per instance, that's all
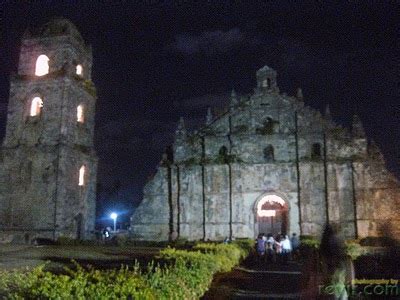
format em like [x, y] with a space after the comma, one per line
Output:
[42, 65]
[36, 106]
[79, 70]
[269, 153]
[80, 117]
[265, 83]
[82, 171]
[316, 151]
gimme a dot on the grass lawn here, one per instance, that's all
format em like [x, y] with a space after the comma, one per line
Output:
[102, 257]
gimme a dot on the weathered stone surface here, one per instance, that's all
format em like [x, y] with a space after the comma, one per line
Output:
[269, 144]
[41, 155]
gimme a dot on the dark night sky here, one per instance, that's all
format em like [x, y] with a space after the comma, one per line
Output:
[156, 62]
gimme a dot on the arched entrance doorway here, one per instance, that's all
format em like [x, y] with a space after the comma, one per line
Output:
[272, 215]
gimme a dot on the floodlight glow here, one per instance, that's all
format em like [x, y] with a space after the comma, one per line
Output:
[114, 216]
[271, 199]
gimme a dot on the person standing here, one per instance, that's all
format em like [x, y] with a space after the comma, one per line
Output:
[294, 240]
[260, 246]
[278, 248]
[286, 249]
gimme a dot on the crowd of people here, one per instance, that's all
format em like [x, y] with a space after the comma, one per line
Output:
[277, 249]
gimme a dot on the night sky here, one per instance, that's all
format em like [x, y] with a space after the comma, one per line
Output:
[156, 62]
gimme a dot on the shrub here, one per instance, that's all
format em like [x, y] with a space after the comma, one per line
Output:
[245, 244]
[189, 273]
[79, 284]
[353, 249]
[308, 241]
[185, 275]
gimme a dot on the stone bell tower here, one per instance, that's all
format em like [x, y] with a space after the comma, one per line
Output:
[47, 161]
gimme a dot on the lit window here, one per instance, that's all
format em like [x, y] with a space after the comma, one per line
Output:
[79, 114]
[36, 106]
[82, 176]
[42, 65]
[79, 70]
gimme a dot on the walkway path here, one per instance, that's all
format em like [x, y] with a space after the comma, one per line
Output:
[252, 280]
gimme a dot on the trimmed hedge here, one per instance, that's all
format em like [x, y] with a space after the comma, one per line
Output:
[185, 275]
[309, 244]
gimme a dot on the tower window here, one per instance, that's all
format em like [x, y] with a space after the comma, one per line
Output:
[269, 153]
[82, 171]
[316, 151]
[36, 106]
[42, 65]
[79, 70]
[265, 83]
[80, 114]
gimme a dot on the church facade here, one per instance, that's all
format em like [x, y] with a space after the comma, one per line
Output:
[268, 164]
[47, 159]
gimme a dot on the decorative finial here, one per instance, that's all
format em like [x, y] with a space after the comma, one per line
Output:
[374, 151]
[209, 116]
[357, 127]
[234, 98]
[299, 94]
[181, 124]
[327, 110]
[181, 129]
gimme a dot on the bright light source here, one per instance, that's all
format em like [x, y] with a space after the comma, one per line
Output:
[79, 70]
[36, 106]
[79, 113]
[271, 199]
[114, 216]
[42, 65]
[82, 176]
[267, 213]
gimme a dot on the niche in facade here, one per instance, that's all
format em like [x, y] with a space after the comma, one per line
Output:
[269, 153]
[267, 128]
[316, 151]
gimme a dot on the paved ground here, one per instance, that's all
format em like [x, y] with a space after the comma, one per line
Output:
[22, 256]
[255, 280]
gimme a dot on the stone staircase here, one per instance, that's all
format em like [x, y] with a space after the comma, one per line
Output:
[254, 280]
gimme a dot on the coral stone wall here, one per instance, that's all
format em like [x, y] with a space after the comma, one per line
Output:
[41, 155]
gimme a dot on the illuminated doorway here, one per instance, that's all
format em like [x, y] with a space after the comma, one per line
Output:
[272, 215]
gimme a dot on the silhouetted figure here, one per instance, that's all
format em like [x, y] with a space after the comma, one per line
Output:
[336, 266]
